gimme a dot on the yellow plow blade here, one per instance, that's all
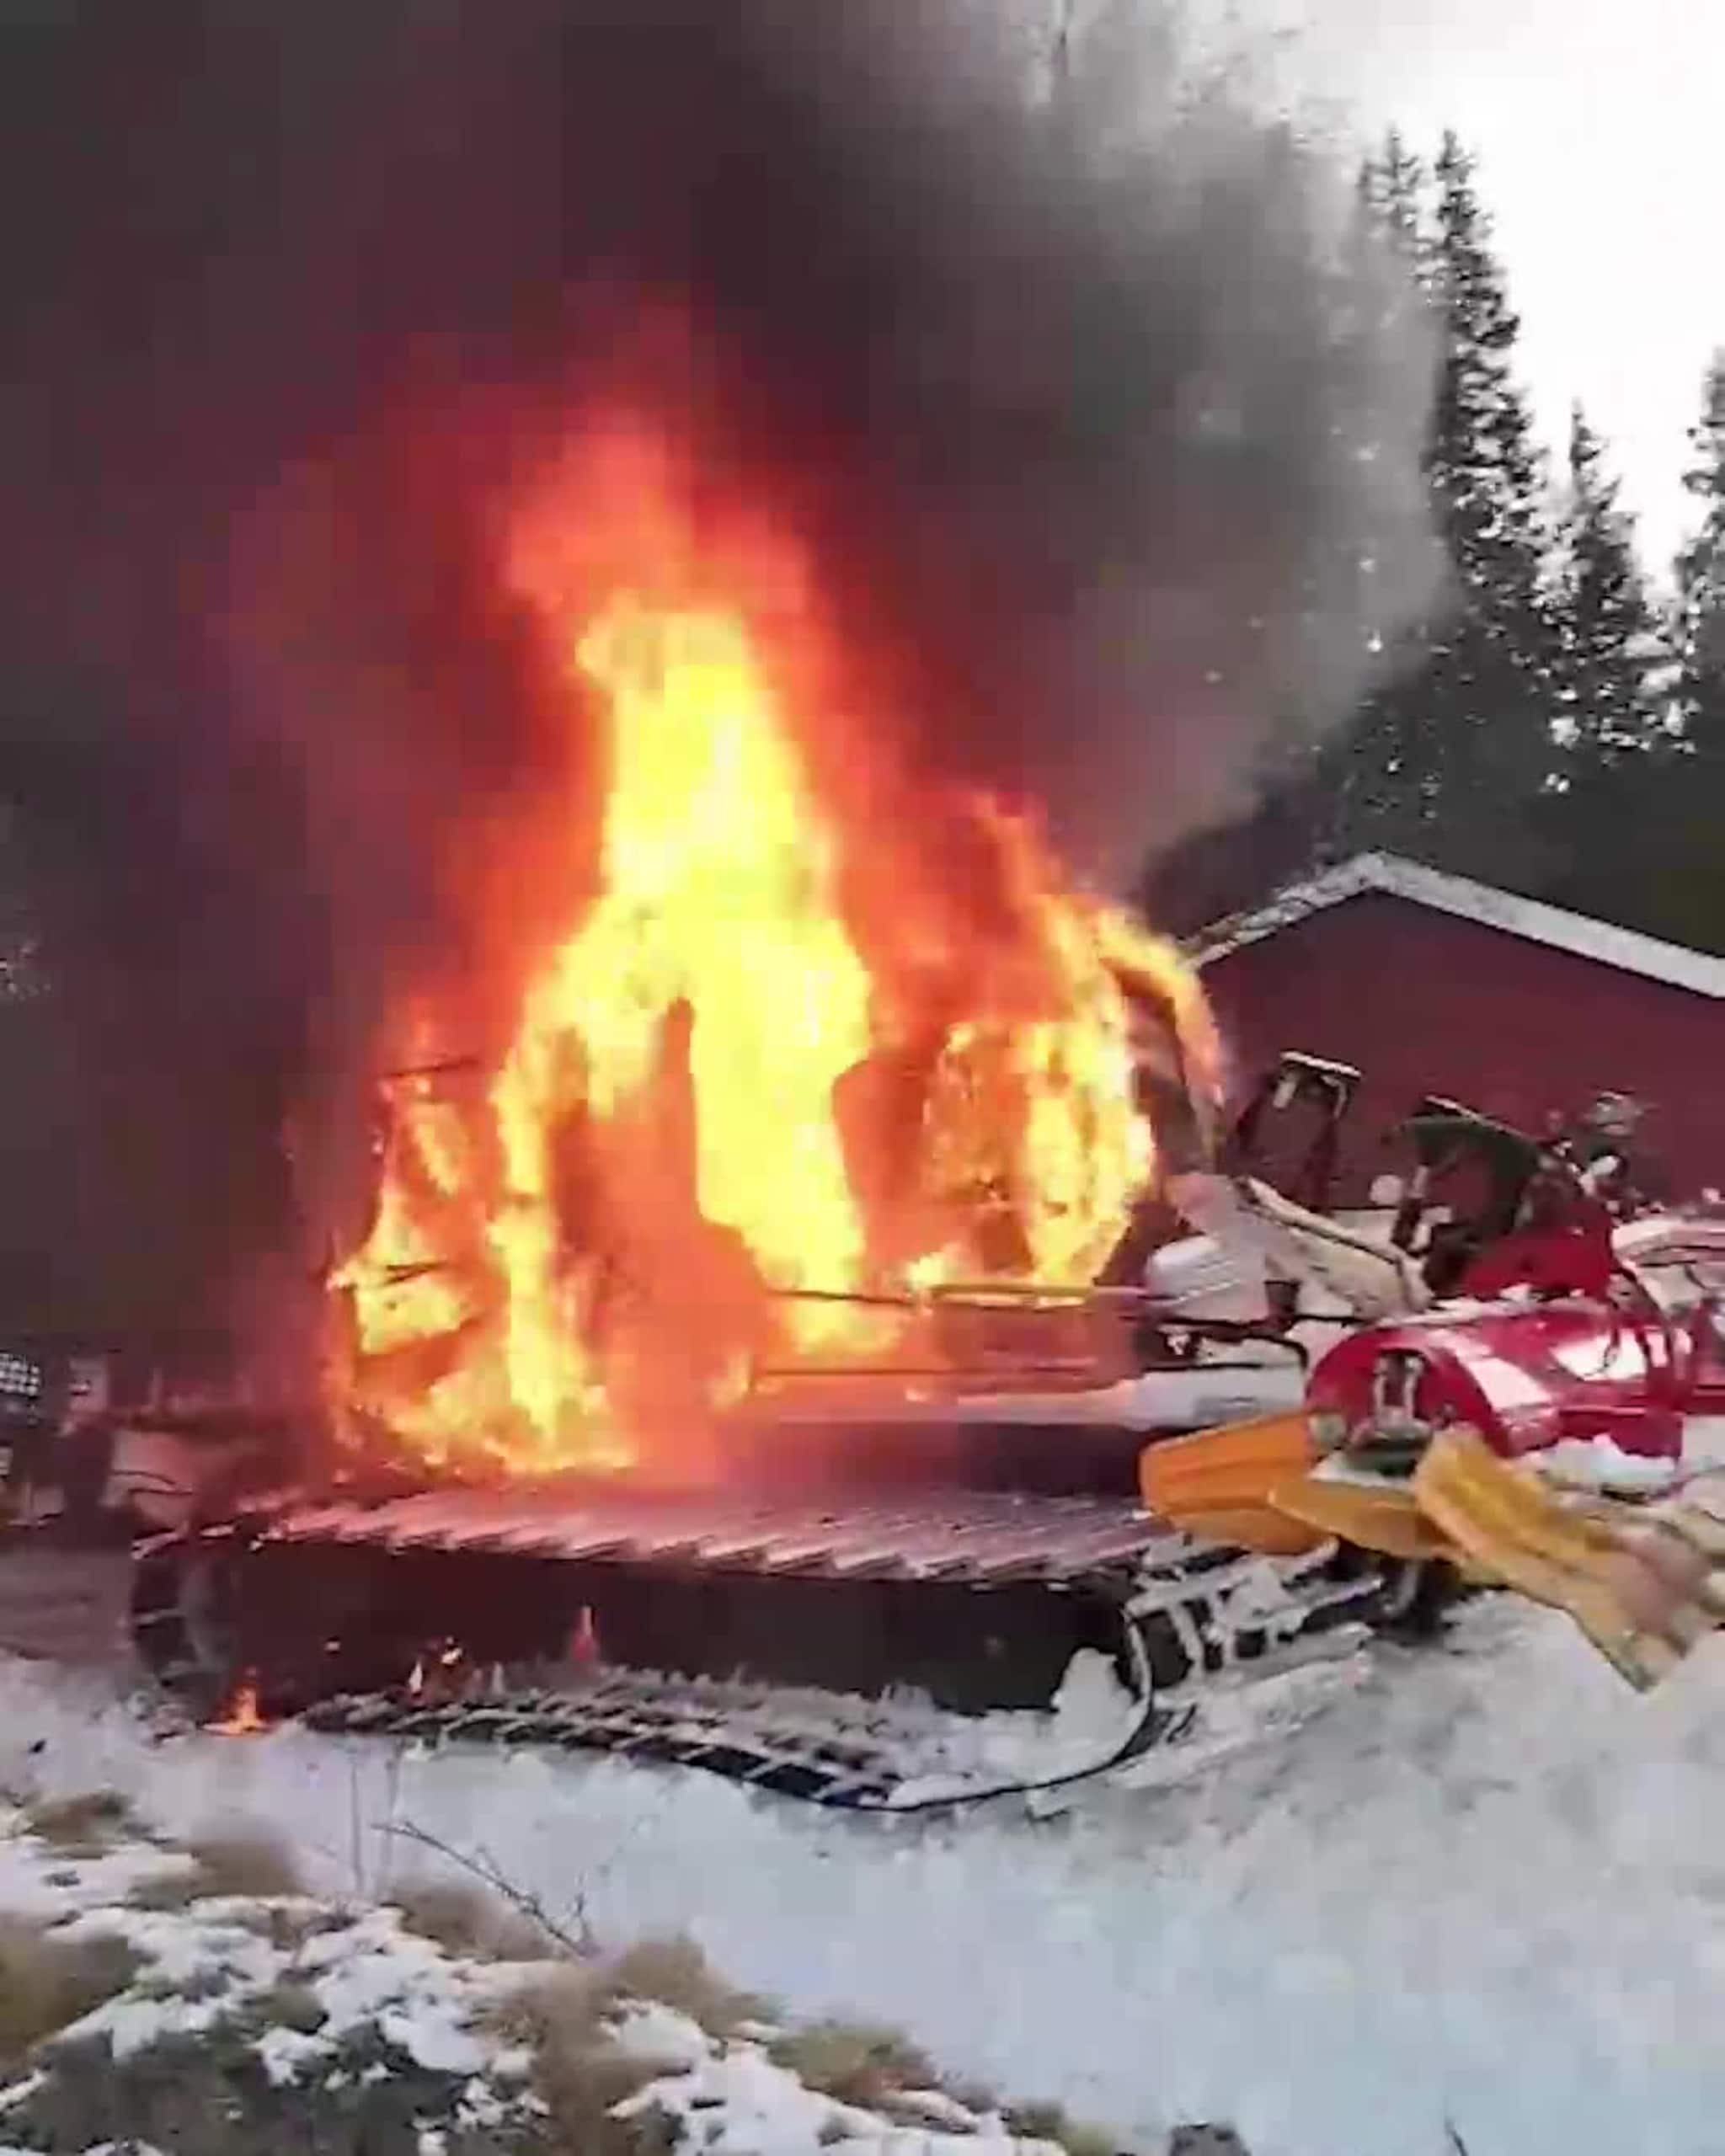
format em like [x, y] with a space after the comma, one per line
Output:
[1643, 1582]
[1219, 1484]
[1643, 1585]
[1387, 1519]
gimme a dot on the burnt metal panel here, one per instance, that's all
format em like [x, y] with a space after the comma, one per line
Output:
[981, 1538]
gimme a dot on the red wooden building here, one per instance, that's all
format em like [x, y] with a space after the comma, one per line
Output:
[1429, 983]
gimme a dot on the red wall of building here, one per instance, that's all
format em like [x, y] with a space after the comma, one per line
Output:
[1424, 1002]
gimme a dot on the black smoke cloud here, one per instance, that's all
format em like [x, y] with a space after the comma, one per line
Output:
[1072, 383]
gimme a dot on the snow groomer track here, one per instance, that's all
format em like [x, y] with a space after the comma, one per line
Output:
[771, 1641]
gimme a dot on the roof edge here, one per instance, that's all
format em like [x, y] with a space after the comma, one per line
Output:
[1533, 919]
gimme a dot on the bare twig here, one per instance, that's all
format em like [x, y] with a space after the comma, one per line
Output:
[392, 1793]
[357, 1837]
[578, 1942]
[1458, 2146]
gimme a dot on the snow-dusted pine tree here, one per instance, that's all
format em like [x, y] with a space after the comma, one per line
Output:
[1450, 759]
[1615, 743]
[1485, 693]
[1392, 185]
[1679, 889]
[1701, 579]
[1608, 647]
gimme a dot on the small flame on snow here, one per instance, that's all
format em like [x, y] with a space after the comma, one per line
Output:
[448, 1657]
[240, 1717]
[584, 1651]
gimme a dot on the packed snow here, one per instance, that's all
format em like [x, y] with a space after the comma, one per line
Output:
[1474, 1887]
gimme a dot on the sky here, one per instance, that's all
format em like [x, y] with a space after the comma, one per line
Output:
[1593, 122]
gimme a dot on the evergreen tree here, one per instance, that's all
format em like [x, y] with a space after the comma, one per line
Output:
[1701, 580]
[1449, 759]
[1487, 683]
[1453, 757]
[1608, 641]
[1614, 745]
[1683, 887]
[1319, 798]
[1391, 187]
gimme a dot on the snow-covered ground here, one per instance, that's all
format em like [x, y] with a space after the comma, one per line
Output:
[1480, 1888]
[368, 2000]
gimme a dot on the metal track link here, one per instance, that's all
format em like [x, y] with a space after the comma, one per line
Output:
[650, 1719]
[640, 1719]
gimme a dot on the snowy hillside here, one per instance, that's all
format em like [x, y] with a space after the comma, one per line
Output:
[1477, 1888]
[196, 1997]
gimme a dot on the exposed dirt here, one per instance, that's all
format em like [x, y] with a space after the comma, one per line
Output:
[210, 2095]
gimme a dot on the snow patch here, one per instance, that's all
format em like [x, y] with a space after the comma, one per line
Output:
[38, 1881]
[288, 2054]
[1093, 1715]
[1597, 1464]
[1704, 1440]
[660, 2035]
[745, 2106]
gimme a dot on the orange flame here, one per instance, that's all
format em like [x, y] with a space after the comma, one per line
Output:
[240, 1717]
[802, 1030]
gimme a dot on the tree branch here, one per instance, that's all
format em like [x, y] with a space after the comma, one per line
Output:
[578, 1943]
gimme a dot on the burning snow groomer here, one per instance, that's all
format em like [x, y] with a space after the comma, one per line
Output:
[819, 1104]
[690, 546]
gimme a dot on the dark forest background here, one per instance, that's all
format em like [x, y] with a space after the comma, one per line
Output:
[1558, 729]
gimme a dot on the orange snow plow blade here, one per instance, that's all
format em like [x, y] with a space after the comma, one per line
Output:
[1220, 1484]
[1371, 1516]
[1643, 1585]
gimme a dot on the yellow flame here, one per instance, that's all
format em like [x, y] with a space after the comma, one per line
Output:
[579, 1257]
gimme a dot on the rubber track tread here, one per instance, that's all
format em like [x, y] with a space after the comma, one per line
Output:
[645, 1719]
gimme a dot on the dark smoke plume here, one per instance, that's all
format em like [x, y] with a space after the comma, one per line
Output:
[1073, 380]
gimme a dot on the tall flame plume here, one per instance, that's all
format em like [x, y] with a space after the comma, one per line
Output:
[790, 1037]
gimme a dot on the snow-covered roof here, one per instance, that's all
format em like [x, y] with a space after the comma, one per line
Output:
[1531, 918]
